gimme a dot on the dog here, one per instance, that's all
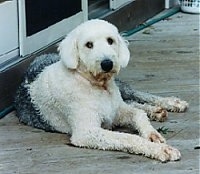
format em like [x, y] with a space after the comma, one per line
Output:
[75, 92]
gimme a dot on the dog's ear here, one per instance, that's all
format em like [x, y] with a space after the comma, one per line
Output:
[124, 54]
[68, 50]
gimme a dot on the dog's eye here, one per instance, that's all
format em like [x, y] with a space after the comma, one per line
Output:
[110, 41]
[89, 45]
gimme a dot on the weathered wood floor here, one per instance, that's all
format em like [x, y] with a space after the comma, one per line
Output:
[165, 61]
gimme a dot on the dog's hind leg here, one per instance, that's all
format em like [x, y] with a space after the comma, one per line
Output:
[172, 104]
[155, 113]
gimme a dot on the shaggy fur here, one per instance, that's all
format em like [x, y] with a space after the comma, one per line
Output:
[75, 93]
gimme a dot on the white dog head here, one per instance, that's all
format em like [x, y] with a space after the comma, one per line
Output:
[95, 45]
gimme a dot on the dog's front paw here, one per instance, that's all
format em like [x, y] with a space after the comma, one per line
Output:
[174, 104]
[154, 136]
[168, 153]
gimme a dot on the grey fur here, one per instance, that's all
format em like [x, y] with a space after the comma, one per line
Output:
[25, 110]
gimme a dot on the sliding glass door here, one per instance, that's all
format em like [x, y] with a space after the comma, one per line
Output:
[42, 23]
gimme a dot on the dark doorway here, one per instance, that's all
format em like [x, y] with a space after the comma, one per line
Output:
[42, 14]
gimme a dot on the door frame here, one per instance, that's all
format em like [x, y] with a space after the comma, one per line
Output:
[114, 4]
[50, 35]
[9, 44]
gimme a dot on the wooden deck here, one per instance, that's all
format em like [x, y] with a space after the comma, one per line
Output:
[165, 61]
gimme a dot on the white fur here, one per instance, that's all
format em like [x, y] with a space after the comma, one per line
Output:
[75, 96]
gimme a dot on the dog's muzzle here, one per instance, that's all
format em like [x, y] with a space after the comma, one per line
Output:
[107, 65]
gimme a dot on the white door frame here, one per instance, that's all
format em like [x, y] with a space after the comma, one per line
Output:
[114, 4]
[49, 35]
[9, 41]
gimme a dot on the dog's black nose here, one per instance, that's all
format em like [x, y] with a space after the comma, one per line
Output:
[106, 65]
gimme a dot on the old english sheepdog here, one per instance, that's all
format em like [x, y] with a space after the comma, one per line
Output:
[74, 92]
